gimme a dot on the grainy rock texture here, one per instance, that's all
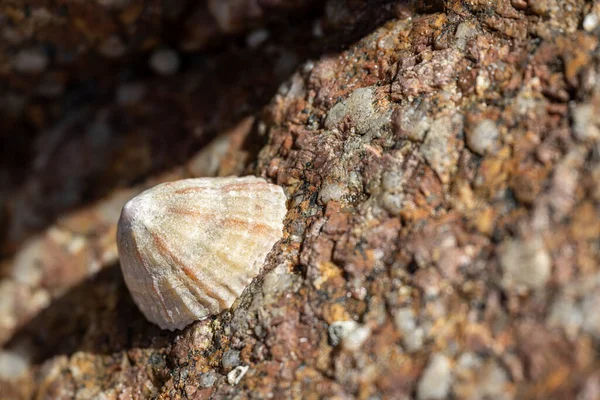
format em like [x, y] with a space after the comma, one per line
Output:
[441, 162]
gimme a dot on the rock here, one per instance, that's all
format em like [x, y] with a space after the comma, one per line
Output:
[591, 317]
[436, 379]
[354, 340]
[483, 137]
[231, 359]
[412, 335]
[586, 123]
[13, 364]
[481, 379]
[565, 313]
[332, 191]
[526, 265]
[339, 330]
[349, 334]
[440, 147]
[27, 266]
[358, 108]
[257, 37]
[164, 61]
[591, 20]
[208, 379]
[30, 61]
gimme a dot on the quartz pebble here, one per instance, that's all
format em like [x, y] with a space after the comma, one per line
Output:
[30, 61]
[165, 61]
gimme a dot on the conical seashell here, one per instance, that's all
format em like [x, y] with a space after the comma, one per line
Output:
[189, 248]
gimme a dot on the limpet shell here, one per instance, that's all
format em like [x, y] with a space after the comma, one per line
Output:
[189, 248]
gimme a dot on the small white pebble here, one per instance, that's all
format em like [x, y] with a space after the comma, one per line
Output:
[338, 330]
[30, 61]
[235, 376]
[590, 22]
[585, 122]
[482, 83]
[257, 37]
[331, 191]
[412, 335]
[436, 379]
[356, 338]
[526, 264]
[13, 364]
[27, 265]
[165, 61]
[349, 334]
[482, 138]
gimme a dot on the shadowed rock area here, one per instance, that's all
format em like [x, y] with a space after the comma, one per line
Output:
[441, 162]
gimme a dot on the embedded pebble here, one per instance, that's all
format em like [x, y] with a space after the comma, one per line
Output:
[13, 364]
[339, 330]
[164, 61]
[436, 379]
[591, 317]
[257, 37]
[591, 21]
[525, 264]
[487, 379]
[566, 314]
[358, 108]
[585, 122]
[30, 61]
[27, 266]
[331, 191]
[412, 335]
[482, 138]
[350, 334]
[354, 340]
[231, 359]
[439, 148]
[208, 379]
[412, 122]
[464, 32]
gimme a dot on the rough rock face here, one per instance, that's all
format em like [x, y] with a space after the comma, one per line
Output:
[443, 171]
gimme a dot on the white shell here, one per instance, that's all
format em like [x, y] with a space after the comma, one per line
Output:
[189, 248]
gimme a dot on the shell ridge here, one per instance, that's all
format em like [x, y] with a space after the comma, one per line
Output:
[176, 262]
[155, 287]
[191, 276]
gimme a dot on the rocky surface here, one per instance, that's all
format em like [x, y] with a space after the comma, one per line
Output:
[442, 165]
